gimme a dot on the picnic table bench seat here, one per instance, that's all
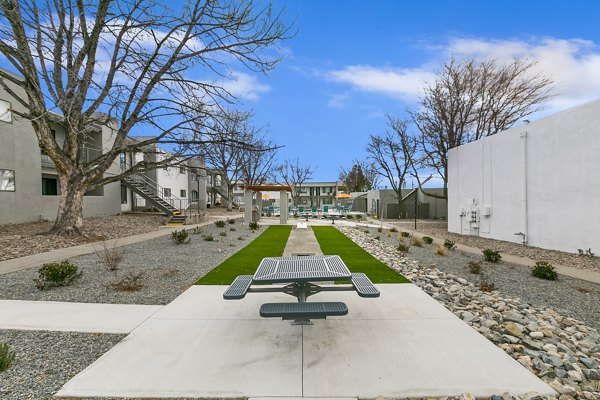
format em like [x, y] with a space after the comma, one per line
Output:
[308, 310]
[238, 288]
[363, 285]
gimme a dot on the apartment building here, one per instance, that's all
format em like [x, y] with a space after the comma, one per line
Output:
[318, 194]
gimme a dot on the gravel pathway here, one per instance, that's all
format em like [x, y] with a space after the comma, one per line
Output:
[45, 361]
[166, 270]
[568, 296]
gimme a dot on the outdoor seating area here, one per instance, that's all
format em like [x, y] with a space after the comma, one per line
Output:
[297, 274]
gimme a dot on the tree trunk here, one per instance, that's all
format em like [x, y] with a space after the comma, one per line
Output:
[400, 205]
[69, 219]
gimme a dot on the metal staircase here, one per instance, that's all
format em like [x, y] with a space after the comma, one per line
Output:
[154, 193]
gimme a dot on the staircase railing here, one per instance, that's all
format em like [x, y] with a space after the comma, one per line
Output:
[158, 190]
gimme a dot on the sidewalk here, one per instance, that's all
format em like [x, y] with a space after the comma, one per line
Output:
[17, 264]
[577, 273]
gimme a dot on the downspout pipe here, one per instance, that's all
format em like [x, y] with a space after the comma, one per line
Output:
[525, 186]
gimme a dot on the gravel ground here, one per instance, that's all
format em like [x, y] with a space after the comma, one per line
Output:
[535, 253]
[47, 360]
[19, 240]
[570, 297]
[167, 270]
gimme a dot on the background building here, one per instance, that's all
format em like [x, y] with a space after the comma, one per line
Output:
[538, 183]
[384, 203]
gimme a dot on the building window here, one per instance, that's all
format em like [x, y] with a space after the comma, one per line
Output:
[182, 170]
[7, 180]
[5, 112]
[182, 193]
[194, 195]
[123, 194]
[166, 192]
[49, 186]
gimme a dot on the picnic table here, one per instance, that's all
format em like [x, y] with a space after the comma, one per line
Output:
[295, 276]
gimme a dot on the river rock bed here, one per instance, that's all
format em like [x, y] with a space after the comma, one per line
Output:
[562, 351]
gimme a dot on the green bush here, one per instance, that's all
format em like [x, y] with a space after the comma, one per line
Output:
[403, 248]
[377, 237]
[223, 233]
[56, 274]
[358, 217]
[449, 244]
[405, 234]
[232, 229]
[231, 221]
[380, 229]
[220, 223]
[393, 229]
[349, 216]
[208, 238]
[197, 230]
[6, 356]
[180, 237]
[491, 255]
[474, 267]
[253, 225]
[427, 239]
[544, 270]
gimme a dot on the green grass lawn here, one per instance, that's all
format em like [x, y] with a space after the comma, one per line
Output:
[355, 257]
[269, 244]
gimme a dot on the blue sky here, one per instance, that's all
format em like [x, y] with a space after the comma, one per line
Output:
[352, 62]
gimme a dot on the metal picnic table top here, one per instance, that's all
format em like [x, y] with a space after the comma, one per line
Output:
[301, 269]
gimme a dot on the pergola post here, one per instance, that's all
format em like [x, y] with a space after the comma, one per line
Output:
[283, 207]
[248, 205]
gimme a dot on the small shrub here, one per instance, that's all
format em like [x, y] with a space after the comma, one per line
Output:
[131, 282]
[240, 238]
[220, 223]
[380, 229]
[358, 217]
[223, 233]
[349, 216]
[6, 356]
[449, 244]
[208, 238]
[197, 230]
[367, 231]
[441, 250]
[232, 229]
[377, 237]
[405, 234]
[486, 286]
[417, 241]
[393, 229]
[402, 247]
[491, 255]
[544, 270]
[56, 274]
[253, 225]
[231, 221]
[180, 237]
[388, 234]
[474, 267]
[427, 239]
[110, 257]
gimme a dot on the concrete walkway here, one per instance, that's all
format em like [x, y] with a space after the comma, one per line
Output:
[403, 344]
[578, 273]
[73, 317]
[302, 241]
[34, 260]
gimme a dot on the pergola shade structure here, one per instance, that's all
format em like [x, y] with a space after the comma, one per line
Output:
[249, 191]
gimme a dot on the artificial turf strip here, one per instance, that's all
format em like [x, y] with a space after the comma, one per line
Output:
[355, 257]
[269, 244]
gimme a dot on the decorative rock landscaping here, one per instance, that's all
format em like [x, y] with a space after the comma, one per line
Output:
[562, 351]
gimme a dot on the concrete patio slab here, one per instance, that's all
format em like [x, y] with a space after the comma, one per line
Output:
[302, 242]
[75, 317]
[403, 344]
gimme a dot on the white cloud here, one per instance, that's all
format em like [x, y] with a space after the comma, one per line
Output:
[573, 65]
[337, 101]
[244, 86]
[405, 84]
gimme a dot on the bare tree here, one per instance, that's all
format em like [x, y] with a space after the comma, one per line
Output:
[125, 64]
[257, 162]
[471, 100]
[392, 153]
[362, 176]
[293, 174]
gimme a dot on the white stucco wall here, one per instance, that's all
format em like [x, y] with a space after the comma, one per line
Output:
[560, 207]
